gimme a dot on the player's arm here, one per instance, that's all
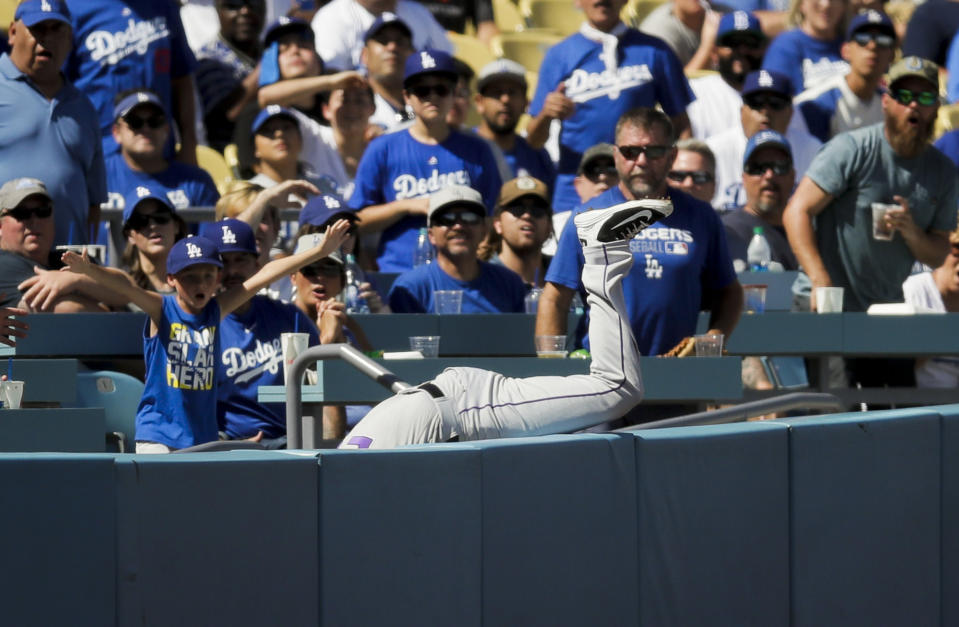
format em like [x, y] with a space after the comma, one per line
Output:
[807, 201]
[119, 283]
[553, 309]
[376, 218]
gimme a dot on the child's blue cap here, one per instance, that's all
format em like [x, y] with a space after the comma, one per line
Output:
[230, 236]
[429, 62]
[142, 193]
[765, 138]
[33, 12]
[136, 99]
[319, 210]
[191, 251]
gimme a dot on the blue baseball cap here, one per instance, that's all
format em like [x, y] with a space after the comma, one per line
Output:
[140, 194]
[137, 98]
[33, 12]
[191, 251]
[429, 61]
[765, 139]
[382, 21]
[739, 22]
[319, 210]
[284, 25]
[870, 18]
[272, 111]
[769, 81]
[230, 236]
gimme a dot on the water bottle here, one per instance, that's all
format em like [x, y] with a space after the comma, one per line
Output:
[355, 304]
[758, 254]
[423, 253]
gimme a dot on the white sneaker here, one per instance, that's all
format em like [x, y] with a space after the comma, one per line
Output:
[622, 221]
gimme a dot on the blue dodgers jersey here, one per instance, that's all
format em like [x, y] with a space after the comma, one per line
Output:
[673, 261]
[524, 160]
[396, 166]
[184, 185]
[496, 290]
[178, 407]
[804, 59]
[126, 45]
[251, 356]
[648, 73]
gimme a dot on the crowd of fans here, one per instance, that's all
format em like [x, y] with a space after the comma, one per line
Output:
[796, 119]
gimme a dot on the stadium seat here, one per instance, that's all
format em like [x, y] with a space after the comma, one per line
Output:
[507, 16]
[119, 395]
[232, 155]
[526, 48]
[215, 164]
[559, 15]
[471, 51]
[7, 9]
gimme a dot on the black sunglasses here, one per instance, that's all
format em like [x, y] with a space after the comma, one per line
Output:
[449, 218]
[758, 169]
[632, 153]
[327, 269]
[140, 221]
[594, 170]
[773, 103]
[422, 92]
[535, 211]
[22, 214]
[882, 39]
[906, 96]
[135, 122]
[699, 176]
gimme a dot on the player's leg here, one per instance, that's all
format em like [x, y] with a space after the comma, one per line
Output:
[410, 417]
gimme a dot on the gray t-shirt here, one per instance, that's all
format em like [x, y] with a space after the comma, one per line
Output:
[859, 168]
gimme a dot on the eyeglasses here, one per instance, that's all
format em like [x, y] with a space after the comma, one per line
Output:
[699, 176]
[140, 221]
[22, 214]
[882, 39]
[595, 170]
[135, 122]
[422, 92]
[449, 218]
[758, 169]
[773, 103]
[631, 153]
[327, 269]
[535, 211]
[906, 96]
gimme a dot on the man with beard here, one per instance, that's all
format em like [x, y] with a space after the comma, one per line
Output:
[501, 101]
[847, 102]
[829, 218]
[768, 179]
[522, 223]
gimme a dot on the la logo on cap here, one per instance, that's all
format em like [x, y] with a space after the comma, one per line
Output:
[193, 251]
[426, 60]
[873, 16]
[273, 109]
[142, 97]
[740, 20]
[765, 79]
[331, 203]
[45, 6]
[229, 237]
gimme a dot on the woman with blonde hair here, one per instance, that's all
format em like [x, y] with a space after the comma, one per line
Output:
[810, 51]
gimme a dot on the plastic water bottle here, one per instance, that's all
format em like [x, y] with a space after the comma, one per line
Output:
[423, 253]
[355, 304]
[758, 254]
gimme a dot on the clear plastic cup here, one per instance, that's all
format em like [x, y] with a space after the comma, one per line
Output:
[755, 298]
[292, 344]
[709, 345]
[427, 345]
[448, 301]
[12, 394]
[551, 346]
[879, 229]
[829, 299]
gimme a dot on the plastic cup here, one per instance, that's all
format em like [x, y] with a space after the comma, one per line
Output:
[755, 298]
[292, 344]
[709, 345]
[12, 394]
[532, 300]
[551, 346]
[427, 345]
[448, 301]
[879, 230]
[828, 299]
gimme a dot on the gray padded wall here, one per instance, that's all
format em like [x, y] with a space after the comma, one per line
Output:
[713, 525]
[950, 515]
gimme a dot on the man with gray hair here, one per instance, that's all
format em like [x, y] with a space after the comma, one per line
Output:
[694, 169]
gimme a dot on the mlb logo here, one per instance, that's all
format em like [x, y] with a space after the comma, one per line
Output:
[193, 251]
[677, 248]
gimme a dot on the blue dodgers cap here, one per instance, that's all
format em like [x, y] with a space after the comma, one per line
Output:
[141, 193]
[429, 61]
[284, 25]
[739, 22]
[230, 236]
[272, 111]
[35, 11]
[871, 18]
[130, 101]
[765, 139]
[766, 80]
[319, 210]
[191, 251]
[382, 21]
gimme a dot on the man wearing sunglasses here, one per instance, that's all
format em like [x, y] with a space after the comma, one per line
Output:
[767, 104]
[694, 170]
[829, 218]
[399, 171]
[457, 225]
[846, 102]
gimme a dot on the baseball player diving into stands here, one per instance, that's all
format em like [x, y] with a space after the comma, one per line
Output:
[474, 404]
